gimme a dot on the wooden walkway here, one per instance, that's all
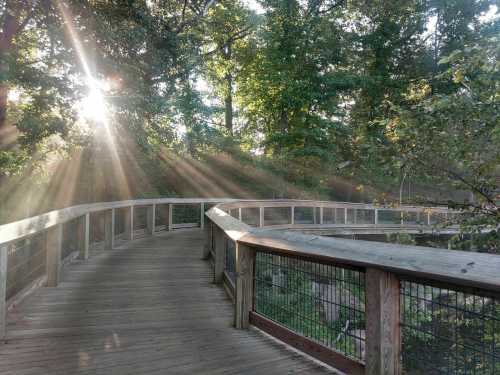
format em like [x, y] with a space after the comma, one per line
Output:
[148, 307]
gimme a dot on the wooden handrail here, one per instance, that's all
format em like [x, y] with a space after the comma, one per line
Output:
[383, 264]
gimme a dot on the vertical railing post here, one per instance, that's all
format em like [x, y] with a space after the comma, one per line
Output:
[345, 215]
[84, 237]
[321, 215]
[261, 217]
[208, 240]
[53, 244]
[245, 263]
[355, 215]
[383, 336]
[151, 219]
[376, 216]
[220, 254]
[170, 216]
[292, 215]
[429, 218]
[109, 229]
[239, 213]
[3, 290]
[202, 215]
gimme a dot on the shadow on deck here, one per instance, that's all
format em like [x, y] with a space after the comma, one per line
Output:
[147, 307]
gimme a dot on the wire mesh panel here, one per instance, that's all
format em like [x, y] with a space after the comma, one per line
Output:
[250, 216]
[340, 216]
[120, 214]
[389, 217]
[277, 215]
[437, 218]
[411, 217]
[186, 215]
[230, 259]
[161, 217]
[350, 216]
[364, 216]
[70, 238]
[328, 215]
[26, 261]
[140, 218]
[322, 302]
[304, 215]
[446, 331]
[96, 229]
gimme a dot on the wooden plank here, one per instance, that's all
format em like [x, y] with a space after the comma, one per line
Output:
[245, 260]
[146, 308]
[308, 346]
[3, 290]
[383, 337]
[53, 244]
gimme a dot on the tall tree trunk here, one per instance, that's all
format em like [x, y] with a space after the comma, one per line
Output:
[228, 100]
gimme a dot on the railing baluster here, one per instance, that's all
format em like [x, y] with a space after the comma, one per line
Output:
[245, 260]
[3, 290]
[109, 229]
[383, 337]
[170, 216]
[261, 217]
[202, 215]
[53, 243]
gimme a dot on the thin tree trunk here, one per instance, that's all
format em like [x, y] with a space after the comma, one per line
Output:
[228, 100]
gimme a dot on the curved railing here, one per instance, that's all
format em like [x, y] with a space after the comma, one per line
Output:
[362, 307]
[358, 306]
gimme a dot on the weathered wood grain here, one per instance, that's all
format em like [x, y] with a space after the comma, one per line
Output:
[146, 307]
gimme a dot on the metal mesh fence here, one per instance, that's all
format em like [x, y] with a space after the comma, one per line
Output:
[446, 331]
[304, 215]
[277, 215]
[323, 302]
[186, 214]
[26, 261]
[230, 259]
[70, 238]
[250, 216]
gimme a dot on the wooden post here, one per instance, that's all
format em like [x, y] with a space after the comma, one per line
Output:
[202, 215]
[53, 243]
[355, 216]
[321, 215]
[314, 215]
[239, 213]
[208, 240]
[220, 254]
[383, 337]
[129, 223]
[109, 229]
[170, 216]
[245, 259]
[429, 218]
[261, 217]
[84, 237]
[3, 290]
[345, 215]
[151, 219]
[376, 217]
[292, 215]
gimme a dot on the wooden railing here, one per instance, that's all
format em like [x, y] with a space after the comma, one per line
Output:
[33, 251]
[362, 307]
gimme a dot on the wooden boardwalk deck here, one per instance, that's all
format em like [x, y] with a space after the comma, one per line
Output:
[148, 307]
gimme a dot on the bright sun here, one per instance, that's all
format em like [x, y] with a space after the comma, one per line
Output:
[93, 107]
